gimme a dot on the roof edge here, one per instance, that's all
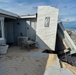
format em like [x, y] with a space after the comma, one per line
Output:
[28, 16]
[5, 12]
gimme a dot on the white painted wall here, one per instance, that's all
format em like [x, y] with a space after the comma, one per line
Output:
[13, 29]
[26, 27]
[2, 40]
[46, 36]
[31, 28]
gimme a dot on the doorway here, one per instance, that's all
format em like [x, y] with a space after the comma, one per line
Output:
[9, 35]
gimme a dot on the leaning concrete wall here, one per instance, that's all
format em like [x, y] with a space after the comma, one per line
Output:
[46, 27]
[65, 36]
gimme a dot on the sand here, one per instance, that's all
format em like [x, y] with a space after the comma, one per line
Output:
[70, 67]
[21, 62]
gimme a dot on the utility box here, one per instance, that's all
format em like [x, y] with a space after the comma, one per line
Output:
[46, 27]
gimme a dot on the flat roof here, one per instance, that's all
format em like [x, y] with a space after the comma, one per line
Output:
[28, 16]
[7, 13]
[10, 14]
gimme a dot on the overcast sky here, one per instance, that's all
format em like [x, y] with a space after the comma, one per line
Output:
[67, 8]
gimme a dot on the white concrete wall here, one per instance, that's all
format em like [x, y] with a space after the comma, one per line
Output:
[46, 36]
[68, 41]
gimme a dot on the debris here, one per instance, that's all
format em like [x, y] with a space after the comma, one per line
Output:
[70, 67]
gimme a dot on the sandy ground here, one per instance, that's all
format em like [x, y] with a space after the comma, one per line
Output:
[70, 67]
[22, 62]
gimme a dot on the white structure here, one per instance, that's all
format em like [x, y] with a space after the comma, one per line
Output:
[41, 28]
[5, 14]
[46, 27]
[12, 25]
[64, 42]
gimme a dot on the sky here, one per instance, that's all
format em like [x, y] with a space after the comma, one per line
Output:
[67, 8]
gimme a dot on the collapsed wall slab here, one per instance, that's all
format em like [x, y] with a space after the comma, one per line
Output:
[46, 27]
[66, 38]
